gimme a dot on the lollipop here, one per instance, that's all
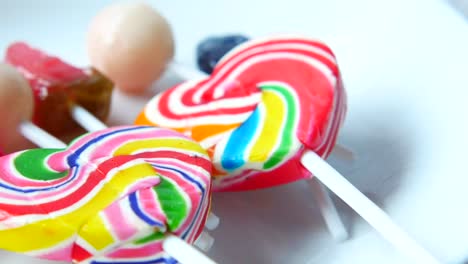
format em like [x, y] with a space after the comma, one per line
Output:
[133, 45]
[212, 49]
[63, 94]
[14, 89]
[209, 53]
[113, 196]
[268, 115]
[144, 42]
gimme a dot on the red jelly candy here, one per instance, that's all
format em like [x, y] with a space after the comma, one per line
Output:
[57, 86]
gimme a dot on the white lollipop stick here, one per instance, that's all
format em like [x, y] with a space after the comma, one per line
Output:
[375, 216]
[86, 120]
[329, 213]
[183, 252]
[43, 139]
[212, 222]
[204, 242]
[38, 136]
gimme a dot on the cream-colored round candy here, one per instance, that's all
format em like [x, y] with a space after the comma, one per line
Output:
[130, 43]
[16, 105]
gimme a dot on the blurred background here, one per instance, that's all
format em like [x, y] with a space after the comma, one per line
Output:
[404, 64]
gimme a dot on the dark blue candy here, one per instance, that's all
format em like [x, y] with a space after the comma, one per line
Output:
[212, 49]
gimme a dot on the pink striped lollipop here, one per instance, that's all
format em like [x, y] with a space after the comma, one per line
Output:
[268, 115]
[254, 96]
[113, 196]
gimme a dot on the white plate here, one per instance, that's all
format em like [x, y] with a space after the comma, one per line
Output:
[405, 66]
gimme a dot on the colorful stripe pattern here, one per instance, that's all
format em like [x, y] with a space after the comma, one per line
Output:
[110, 197]
[265, 102]
[267, 137]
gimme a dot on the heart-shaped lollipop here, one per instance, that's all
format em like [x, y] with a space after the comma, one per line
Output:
[269, 114]
[263, 105]
[111, 196]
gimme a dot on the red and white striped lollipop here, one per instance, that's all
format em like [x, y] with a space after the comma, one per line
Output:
[255, 95]
[269, 114]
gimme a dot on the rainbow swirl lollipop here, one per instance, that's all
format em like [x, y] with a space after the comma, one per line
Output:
[111, 197]
[269, 114]
[265, 103]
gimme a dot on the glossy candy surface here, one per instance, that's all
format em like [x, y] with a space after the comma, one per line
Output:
[212, 49]
[265, 103]
[131, 43]
[56, 86]
[110, 197]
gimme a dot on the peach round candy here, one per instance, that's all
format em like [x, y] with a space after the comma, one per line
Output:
[16, 105]
[130, 43]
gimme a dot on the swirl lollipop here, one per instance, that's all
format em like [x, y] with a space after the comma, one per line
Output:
[228, 112]
[123, 194]
[268, 115]
[60, 83]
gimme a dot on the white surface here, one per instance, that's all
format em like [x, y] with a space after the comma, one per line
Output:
[461, 6]
[368, 210]
[184, 252]
[405, 66]
[328, 211]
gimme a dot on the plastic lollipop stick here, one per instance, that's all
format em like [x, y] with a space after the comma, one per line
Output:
[375, 216]
[87, 120]
[38, 136]
[212, 222]
[204, 242]
[328, 210]
[186, 254]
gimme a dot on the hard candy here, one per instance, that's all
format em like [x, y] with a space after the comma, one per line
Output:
[263, 106]
[57, 86]
[212, 49]
[110, 197]
[131, 43]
